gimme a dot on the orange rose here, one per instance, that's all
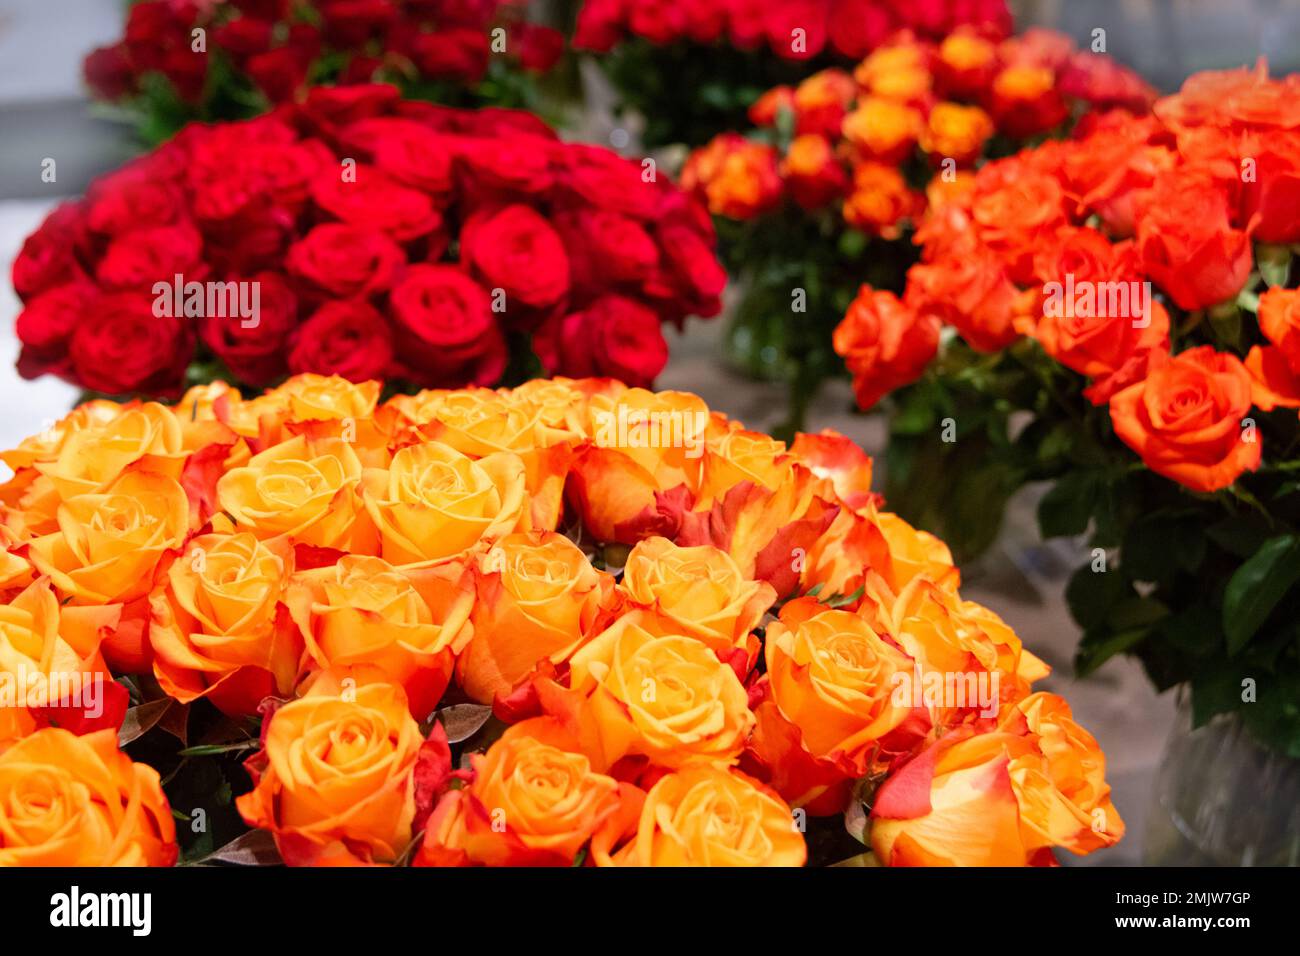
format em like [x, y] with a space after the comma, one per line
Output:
[48, 655]
[1185, 418]
[704, 816]
[1026, 100]
[765, 110]
[404, 626]
[334, 782]
[1003, 798]
[535, 801]
[956, 132]
[813, 172]
[435, 503]
[899, 72]
[820, 102]
[966, 62]
[834, 678]
[539, 599]
[746, 182]
[89, 459]
[109, 542]
[667, 697]
[217, 628]
[301, 489]
[1017, 208]
[79, 801]
[840, 460]
[698, 592]
[880, 200]
[914, 553]
[968, 289]
[884, 129]
[884, 343]
[1279, 320]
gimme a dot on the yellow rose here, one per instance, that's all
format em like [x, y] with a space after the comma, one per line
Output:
[94, 455]
[434, 503]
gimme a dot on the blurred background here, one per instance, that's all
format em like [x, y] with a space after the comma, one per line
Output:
[44, 113]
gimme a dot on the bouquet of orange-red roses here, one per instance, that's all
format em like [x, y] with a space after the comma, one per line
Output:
[827, 190]
[1117, 315]
[569, 622]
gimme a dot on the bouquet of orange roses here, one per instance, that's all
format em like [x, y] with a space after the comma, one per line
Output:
[827, 190]
[1122, 311]
[568, 622]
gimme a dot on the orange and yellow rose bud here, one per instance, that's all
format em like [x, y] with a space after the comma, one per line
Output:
[335, 780]
[956, 132]
[404, 627]
[735, 178]
[1026, 100]
[704, 816]
[535, 801]
[812, 171]
[966, 63]
[884, 129]
[539, 599]
[765, 110]
[880, 200]
[217, 628]
[79, 801]
[820, 102]
[897, 72]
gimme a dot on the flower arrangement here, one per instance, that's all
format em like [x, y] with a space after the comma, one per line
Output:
[361, 234]
[1129, 295]
[691, 70]
[827, 189]
[182, 60]
[374, 608]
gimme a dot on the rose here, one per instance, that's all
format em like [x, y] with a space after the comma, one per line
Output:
[458, 53]
[107, 71]
[48, 256]
[668, 698]
[109, 543]
[141, 194]
[138, 259]
[966, 63]
[97, 447]
[46, 324]
[335, 784]
[880, 200]
[856, 27]
[1185, 418]
[691, 280]
[884, 129]
[705, 816]
[1025, 100]
[492, 170]
[1279, 320]
[835, 678]
[127, 348]
[43, 644]
[614, 336]
[812, 171]
[444, 327]
[216, 629]
[535, 801]
[343, 338]
[956, 132]
[344, 261]
[434, 503]
[840, 460]
[820, 102]
[364, 615]
[1187, 244]
[599, 26]
[539, 599]
[303, 490]
[278, 73]
[698, 592]
[736, 178]
[78, 801]
[605, 245]
[899, 71]
[516, 250]
[1034, 783]
[969, 289]
[1017, 208]
[371, 200]
[255, 352]
[540, 47]
[885, 343]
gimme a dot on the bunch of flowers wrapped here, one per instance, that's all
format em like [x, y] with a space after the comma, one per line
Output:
[847, 164]
[1133, 291]
[691, 70]
[181, 60]
[727, 655]
[361, 234]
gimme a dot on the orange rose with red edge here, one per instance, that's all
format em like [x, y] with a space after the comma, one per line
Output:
[885, 343]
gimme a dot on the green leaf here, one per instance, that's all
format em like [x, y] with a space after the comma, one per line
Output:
[1091, 595]
[1067, 507]
[1257, 586]
[1095, 651]
[1274, 263]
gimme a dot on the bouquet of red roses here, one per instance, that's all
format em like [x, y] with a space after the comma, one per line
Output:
[692, 69]
[364, 235]
[849, 163]
[181, 60]
[1129, 299]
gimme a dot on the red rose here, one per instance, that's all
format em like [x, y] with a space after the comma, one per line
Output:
[108, 72]
[48, 256]
[539, 47]
[659, 21]
[504, 164]
[342, 261]
[343, 338]
[406, 150]
[856, 27]
[444, 328]
[351, 23]
[600, 178]
[127, 348]
[244, 36]
[516, 250]
[604, 246]
[884, 343]
[131, 198]
[706, 20]
[695, 276]
[255, 353]
[378, 202]
[796, 29]
[599, 27]
[278, 73]
[46, 324]
[457, 54]
[137, 260]
[614, 337]
[329, 108]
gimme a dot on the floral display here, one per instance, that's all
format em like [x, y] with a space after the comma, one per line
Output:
[1130, 294]
[572, 622]
[180, 60]
[691, 70]
[364, 235]
[852, 162]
